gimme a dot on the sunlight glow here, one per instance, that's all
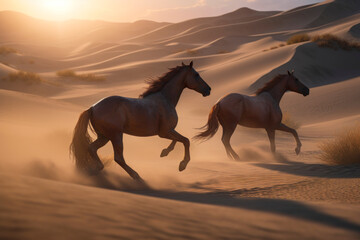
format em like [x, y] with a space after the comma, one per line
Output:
[59, 9]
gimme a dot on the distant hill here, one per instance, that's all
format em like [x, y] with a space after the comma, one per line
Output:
[19, 27]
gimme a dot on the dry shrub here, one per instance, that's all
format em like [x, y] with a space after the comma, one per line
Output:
[303, 37]
[88, 77]
[6, 50]
[27, 77]
[325, 40]
[334, 42]
[274, 47]
[66, 73]
[289, 121]
[344, 149]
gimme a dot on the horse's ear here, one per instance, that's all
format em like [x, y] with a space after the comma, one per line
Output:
[191, 64]
[182, 63]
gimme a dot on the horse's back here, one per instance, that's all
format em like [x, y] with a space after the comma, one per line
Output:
[250, 111]
[232, 98]
[135, 116]
[108, 104]
[230, 107]
[104, 115]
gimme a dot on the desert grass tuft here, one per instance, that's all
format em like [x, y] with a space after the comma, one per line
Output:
[7, 50]
[343, 149]
[303, 37]
[22, 76]
[87, 77]
[334, 42]
[66, 73]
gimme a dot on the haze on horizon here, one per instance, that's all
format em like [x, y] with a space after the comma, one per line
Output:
[133, 10]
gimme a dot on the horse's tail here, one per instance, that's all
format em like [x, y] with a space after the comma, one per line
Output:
[212, 125]
[80, 145]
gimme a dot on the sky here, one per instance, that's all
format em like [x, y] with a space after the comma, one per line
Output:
[133, 10]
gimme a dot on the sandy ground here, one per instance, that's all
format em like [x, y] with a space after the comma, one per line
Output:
[262, 196]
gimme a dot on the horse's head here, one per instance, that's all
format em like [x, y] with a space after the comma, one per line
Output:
[195, 82]
[294, 84]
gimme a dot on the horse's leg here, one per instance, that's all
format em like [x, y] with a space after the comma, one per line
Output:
[167, 150]
[283, 127]
[271, 135]
[228, 130]
[98, 143]
[119, 157]
[177, 137]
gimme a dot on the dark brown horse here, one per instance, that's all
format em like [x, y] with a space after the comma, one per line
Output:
[153, 113]
[260, 111]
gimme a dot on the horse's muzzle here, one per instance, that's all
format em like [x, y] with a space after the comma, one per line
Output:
[306, 92]
[206, 92]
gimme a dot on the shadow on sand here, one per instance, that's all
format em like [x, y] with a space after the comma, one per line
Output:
[312, 170]
[288, 208]
[294, 209]
[284, 207]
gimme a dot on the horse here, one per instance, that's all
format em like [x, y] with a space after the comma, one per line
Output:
[153, 113]
[259, 111]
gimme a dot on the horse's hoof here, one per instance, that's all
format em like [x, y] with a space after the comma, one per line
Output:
[297, 150]
[164, 153]
[182, 165]
[137, 178]
[235, 157]
[140, 180]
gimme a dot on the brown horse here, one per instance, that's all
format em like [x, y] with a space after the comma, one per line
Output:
[153, 113]
[260, 111]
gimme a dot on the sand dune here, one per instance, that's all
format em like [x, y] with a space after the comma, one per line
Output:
[335, 10]
[194, 25]
[330, 102]
[268, 24]
[5, 70]
[355, 30]
[16, 26]
[309, 61]
[262, 196]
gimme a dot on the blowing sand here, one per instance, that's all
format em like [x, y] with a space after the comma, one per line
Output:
[262, 196]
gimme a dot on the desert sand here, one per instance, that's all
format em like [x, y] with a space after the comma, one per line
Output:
[262, 196]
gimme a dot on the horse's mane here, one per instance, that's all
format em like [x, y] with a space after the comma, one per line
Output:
[155, 85]
[270, 84]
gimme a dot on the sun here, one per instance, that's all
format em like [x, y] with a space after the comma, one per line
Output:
[58, 9]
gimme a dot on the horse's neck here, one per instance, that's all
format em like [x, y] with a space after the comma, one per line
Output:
[278, 91]
[173, 89]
